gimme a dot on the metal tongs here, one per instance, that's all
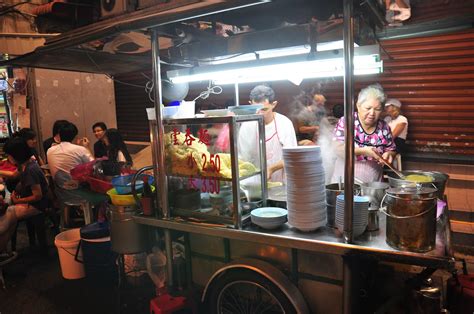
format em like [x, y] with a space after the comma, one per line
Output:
[398, 173]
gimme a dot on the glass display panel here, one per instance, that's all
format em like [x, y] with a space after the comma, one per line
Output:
[202, 168]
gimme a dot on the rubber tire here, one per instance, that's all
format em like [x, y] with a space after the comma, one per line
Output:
[244, 274]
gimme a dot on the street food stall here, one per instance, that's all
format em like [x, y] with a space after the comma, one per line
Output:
[208, 197]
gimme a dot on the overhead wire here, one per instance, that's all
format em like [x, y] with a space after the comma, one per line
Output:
[216, 90]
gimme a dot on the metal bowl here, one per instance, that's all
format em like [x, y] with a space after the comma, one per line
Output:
[440, 180]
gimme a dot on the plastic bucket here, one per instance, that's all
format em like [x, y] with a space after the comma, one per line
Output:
[67, 243]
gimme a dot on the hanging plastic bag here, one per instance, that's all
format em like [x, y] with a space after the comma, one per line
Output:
[156, 267]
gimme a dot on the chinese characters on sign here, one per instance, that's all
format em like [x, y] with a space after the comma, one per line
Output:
[209, 184]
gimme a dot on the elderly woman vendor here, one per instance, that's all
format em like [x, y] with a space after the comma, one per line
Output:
[372, 138]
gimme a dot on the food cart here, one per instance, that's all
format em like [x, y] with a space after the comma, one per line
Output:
[236, 266]
[289, 271]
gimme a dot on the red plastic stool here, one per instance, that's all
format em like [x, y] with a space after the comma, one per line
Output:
[166, 304]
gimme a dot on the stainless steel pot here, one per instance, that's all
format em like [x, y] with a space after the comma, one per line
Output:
[127, 237]
[411, 218]
[375, 191]
[440, 180]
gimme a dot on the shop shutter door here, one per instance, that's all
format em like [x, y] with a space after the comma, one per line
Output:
[434, 79]
[131, 102]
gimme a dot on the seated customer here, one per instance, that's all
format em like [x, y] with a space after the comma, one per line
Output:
[65, 156]
[58, 124]
[116, 148]
[29, 135]
[30, 195]
[100, 149]
[11, 178]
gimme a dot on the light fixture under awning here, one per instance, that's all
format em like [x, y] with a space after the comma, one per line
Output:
[294, 68]
[274, 53]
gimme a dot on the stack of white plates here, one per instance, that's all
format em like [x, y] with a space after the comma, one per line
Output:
[360, 214]
[268, 217]
[305, 187]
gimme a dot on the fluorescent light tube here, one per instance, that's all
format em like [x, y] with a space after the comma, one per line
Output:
[281, 52]
[295, 68]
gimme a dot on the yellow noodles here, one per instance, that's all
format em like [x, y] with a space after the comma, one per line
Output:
[419, 178]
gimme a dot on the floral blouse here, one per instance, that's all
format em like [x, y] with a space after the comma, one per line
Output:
[381, 138]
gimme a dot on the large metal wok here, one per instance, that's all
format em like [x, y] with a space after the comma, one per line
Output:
[440, 180]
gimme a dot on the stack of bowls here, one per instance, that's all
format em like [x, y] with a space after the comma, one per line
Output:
[268, 217]
[360, 215]
[305, 189]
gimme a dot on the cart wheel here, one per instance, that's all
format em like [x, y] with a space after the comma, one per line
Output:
[244, 291]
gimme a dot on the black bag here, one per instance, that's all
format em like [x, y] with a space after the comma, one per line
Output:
[111, 168]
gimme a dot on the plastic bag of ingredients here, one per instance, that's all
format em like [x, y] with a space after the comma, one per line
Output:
[156, 267]
[135, 267]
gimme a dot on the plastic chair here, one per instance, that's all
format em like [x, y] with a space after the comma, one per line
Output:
[166, 304]
[8, 261]
[83, 205]
[36, 230]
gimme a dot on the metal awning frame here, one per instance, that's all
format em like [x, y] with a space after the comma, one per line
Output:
[58, 47]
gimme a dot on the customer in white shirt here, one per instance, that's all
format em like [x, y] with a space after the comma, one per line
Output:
[279, 133]
[65, 155]
[397, 122]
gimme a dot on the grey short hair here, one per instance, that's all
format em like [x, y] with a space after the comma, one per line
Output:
[374, 91]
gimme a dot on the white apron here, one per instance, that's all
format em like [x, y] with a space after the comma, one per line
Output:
[364, 170]
[274, 149]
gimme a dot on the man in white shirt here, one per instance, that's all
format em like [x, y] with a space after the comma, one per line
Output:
[65, 155]
[279, 133]
[397, 122]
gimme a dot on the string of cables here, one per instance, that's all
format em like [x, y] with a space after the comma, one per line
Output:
[149, 84]
[216, 90]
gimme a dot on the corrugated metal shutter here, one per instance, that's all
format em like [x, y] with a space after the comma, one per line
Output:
[434, 79]
[131, 102]
[432, 76]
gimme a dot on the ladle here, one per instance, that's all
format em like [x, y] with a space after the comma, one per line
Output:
[398, 173]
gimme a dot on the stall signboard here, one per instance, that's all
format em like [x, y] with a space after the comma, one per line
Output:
[210, 163]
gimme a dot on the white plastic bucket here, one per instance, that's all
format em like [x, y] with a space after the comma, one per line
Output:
[186, 109]
[67, 243]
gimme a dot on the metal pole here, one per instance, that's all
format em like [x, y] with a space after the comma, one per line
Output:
[349, 142]
[236, 89]
[263, 159]
[234, 129]
[349, 119]
[347, 284]
[160, 151]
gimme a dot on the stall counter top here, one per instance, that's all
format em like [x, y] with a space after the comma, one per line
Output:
[324, 240]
